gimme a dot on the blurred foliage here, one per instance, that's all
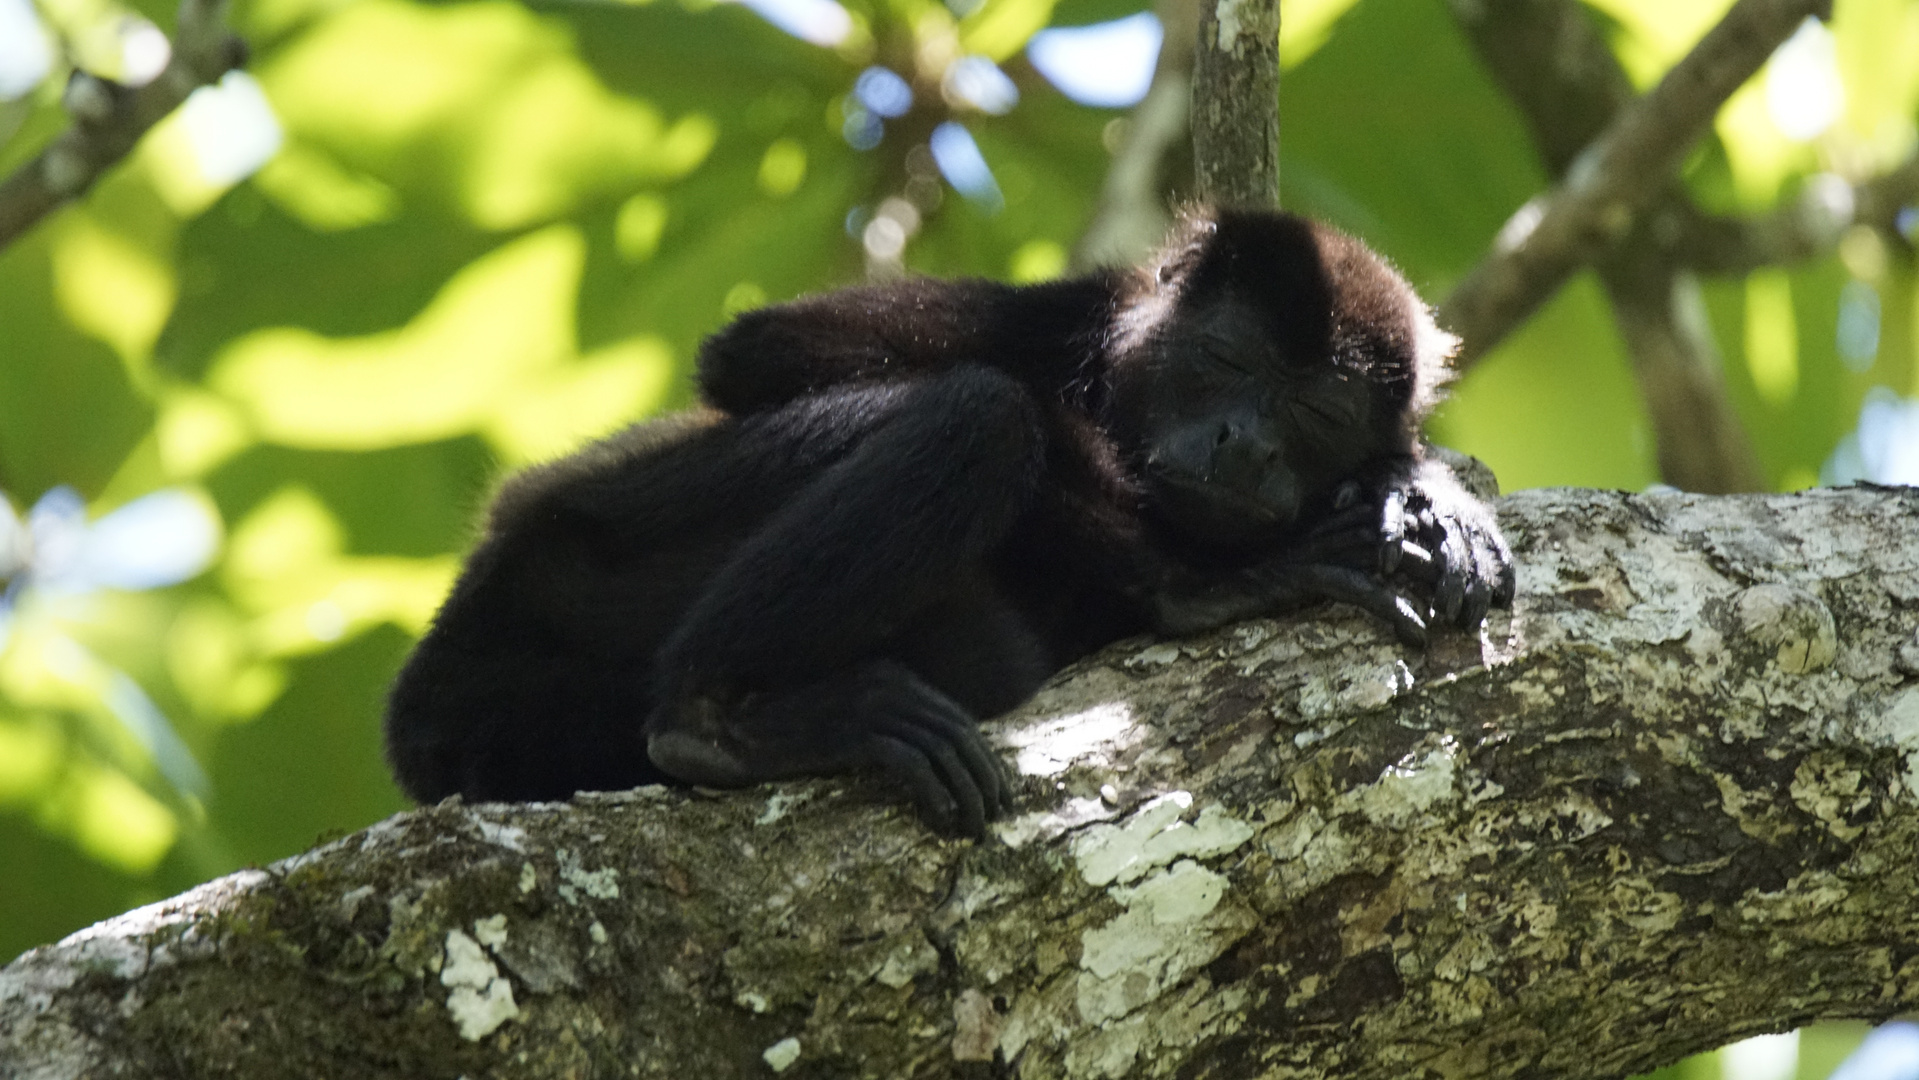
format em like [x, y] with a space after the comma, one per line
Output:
[1808, 1054]
[492, 230]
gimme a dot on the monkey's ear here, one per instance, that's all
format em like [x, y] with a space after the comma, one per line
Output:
[1433, 371]
[1177, 258]
[1178, 261]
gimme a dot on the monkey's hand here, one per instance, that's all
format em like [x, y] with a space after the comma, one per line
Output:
[1336, 560]
[1443, 539]
[878, 716]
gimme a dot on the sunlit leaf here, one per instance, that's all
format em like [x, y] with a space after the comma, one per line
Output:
[69, 409]
[605, 391]
[324, 194]
[112, 819]
[197, 431]
[783, 168]
[112, 288]
[211, 658]
[286, 565]
[345, 598]
[642, 219]
[1658, 32]
[1876, 41]
[496, 323]
[1772, 336]
[1305, 25]
[549, 134]
[42, 668]
[1000, 28]
[1037, 260]
[31, 749]
[289, 535]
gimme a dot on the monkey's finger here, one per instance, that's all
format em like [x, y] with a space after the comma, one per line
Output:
[1428, 527]
[1369, 594]
[1450, 596]
[1508, 585]
[1418, 565]
[1347, 496]
[1437, 536]
[948, 734]
[1479, 597]
[982, 764]
[910, 700]
[1392, 530]
[1352, 546]
[1496, 570]
[958, 782]
[910, 768]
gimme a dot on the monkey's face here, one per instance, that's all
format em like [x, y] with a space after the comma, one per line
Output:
[1236, 441]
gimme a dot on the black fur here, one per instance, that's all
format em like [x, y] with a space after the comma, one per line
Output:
[907, 504]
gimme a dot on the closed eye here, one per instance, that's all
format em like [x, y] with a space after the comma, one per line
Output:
[1325, 414]
[1222, 358]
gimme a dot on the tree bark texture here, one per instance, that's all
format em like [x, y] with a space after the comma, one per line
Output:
[1669, 801]
[1236, 103]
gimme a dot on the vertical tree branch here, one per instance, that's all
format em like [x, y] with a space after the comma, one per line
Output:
[1236, 103]
[1131, 217]
[1701, 444]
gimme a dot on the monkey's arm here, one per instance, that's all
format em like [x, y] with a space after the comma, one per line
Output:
[907, 329]
[783, 665]
[1333, 562]
[1424, 550]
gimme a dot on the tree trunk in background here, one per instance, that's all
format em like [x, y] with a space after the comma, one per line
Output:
[1236, 103]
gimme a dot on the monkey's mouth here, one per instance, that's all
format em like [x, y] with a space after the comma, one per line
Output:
[1215, 514]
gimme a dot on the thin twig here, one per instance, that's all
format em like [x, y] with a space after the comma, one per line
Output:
[1804, 229]
[108, 120]
[1131, 218]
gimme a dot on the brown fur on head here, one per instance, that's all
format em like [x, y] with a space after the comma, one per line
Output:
[1324, 292]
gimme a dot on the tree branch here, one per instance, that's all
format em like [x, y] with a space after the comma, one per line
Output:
[1236, 103]
[1672, 801]
[108, 120]
[1805, 229]
[1610, 182]
[1700, 442]
[1569, 87]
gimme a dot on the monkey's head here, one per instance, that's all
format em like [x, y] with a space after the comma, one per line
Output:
[1261, 361]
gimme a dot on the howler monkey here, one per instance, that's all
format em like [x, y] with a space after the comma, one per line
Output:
[905, 505]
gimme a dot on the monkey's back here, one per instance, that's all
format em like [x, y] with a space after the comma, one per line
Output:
[537, 675]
